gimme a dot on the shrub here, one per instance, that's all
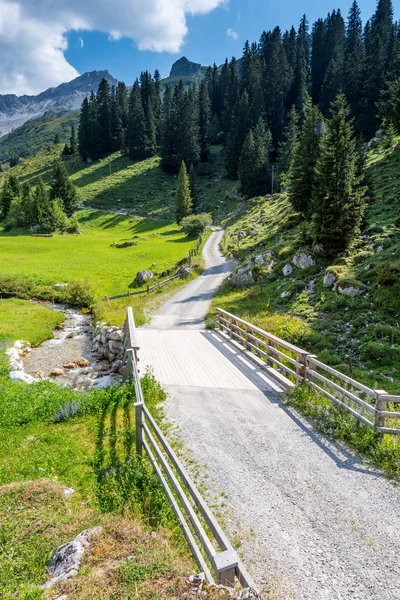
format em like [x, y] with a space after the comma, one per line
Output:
[388, 274]
[194, 225]
[79, 293]
[381, 353]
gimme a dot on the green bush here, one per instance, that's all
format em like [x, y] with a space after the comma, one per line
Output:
[195, 225]
[79, 293]
[381, 353]
[388, 274]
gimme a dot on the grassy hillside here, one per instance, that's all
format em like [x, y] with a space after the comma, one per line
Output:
[37, 135]
[360, 335]
[142, 188]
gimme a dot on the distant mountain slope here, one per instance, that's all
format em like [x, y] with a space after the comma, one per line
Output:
[37, 134]
[185, 68]
[67, 97]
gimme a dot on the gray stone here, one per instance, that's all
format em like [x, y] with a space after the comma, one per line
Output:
[143, 277]
[117, 365]
[329, 279]
[243, 276]
[259, 260]
[379, 249]
[115, 347]
[303, 260]
[242, 234]
[285, 294]
[184, 273]
[287, 270]
[116, 336]
[350, 291]
[21, 376]
[68, 492]
[60, 286]
[66, 560]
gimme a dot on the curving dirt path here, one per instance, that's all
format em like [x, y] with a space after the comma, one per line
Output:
[316, 522]
[189, 307]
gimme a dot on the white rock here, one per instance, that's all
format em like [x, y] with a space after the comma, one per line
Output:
[13, 353]
[16, 365]
[285, 294]
[104, 382]
[60, 286]
[68, 493]
[259, 260]
[21, 376]
[379, 250]
[287, 270]
[302, 260]
[329, 279]
[350, 291]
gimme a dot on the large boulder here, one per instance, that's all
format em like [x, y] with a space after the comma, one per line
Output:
[21, 376]
[287, 270]
[329, 279]
[303, 260]
[184, 273]
[66, 560]
[143, 277]
[243, 276]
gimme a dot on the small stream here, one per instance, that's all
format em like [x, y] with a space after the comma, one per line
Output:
[72, 342]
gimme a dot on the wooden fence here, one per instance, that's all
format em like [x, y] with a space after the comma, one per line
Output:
[157, 286]
[213, 553]
[292, 365]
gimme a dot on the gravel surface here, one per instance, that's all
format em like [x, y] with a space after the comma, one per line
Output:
[316, 522]
[189, 307]
[325, 526]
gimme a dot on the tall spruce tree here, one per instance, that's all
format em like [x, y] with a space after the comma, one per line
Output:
[116, 129]
[136, 133]
[168, 133]
[354, 62]
[186, 110]
[204, 121]
[11, 190]
[183, 201]
[104, 113]
[240, 127]
[379, 43]
[288, 146]
[73, 142]
[193, 188]
[338, 193]
[254, 160]
[302, 172]
[84, 131]
[94, 136]
[63, 189]
[318, 59]
[334, 53]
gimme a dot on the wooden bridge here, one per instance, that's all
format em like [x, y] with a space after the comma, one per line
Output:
[296, 490]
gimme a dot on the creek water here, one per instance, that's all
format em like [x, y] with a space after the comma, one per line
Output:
[72, 341]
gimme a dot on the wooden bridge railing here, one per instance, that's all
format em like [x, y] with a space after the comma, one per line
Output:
[213, 554]
[292, 365]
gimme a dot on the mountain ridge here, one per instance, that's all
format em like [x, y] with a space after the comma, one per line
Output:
[17, 110]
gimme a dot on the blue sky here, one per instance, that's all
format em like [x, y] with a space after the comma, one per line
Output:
[207, 40]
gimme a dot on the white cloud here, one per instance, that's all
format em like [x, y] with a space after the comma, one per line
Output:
[232, 34]
[33, 33]
[81, 42]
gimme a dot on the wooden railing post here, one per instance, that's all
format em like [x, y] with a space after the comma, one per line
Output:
[301, 369]
[380, 404]
[139, 426]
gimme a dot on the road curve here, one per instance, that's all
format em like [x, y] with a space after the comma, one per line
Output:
[188, 308]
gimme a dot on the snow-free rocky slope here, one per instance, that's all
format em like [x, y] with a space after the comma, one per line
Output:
[67, 97]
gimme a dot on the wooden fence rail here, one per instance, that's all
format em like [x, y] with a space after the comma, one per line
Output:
[213, 553]
[292, 365]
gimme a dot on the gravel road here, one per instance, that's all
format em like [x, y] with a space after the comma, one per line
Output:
[189, 307]
[316, 522]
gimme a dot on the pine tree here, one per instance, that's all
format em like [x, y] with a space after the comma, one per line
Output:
[334, 54]
[73, 142]
[298, 92]
[339, 196]
[240, 127]
[42, 207]
[84, 131]
[302, 172]
[94, 130]
[56, 139]
[288, 147]
[117, 133]
[10, 191]
[186, 126]
[229, 94]
[254, 160]
[204, 121]
[379, 43]
[389, 104]
[193, 188]
[318, 59]
[168, 133]
[121, 96]
[104, 129]
[136, 133]
[183, 201]
[63, 189]
[354, 62]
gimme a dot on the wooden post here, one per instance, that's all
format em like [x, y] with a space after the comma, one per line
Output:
[269, 346]
[301, 369]
[225, 567]
[139, 427]
[308, 365]
[380, 404]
